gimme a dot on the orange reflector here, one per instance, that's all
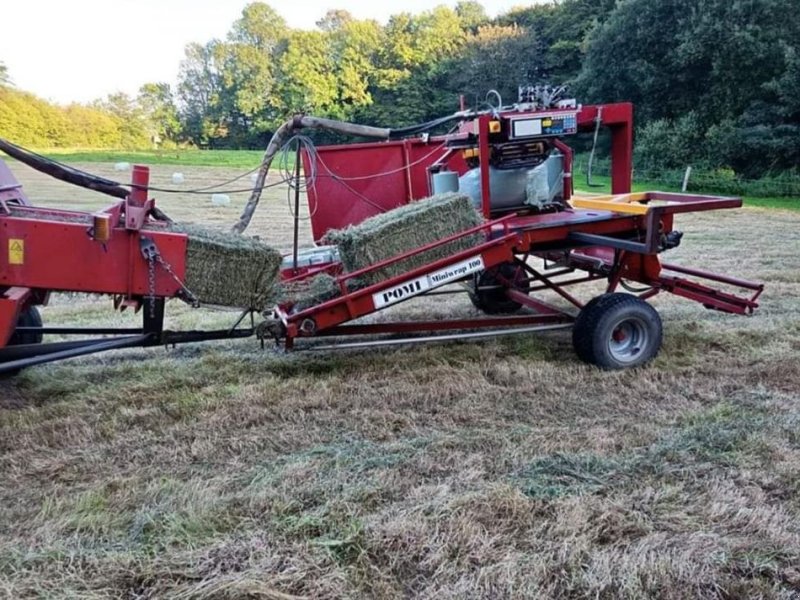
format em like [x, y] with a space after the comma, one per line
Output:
[494, 126]
[101, 227]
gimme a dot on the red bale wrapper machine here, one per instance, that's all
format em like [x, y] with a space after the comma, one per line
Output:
[537, 236]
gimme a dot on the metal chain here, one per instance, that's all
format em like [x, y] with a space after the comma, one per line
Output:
[151, 282]
[192, 299]
[153, 256]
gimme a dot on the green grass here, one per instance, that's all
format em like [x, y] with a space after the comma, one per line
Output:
[178, 156]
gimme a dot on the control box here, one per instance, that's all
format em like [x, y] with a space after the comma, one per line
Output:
[543, 125]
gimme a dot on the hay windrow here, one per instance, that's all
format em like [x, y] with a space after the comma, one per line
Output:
[406, 228]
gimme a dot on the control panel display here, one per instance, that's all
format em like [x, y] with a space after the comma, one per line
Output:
[544, 125]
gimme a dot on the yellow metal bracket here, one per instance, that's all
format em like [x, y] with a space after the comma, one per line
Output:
[622, 203]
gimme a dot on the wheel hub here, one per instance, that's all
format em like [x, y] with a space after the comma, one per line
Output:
[628, 339]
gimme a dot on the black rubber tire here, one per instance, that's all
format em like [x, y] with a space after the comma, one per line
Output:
[495, 302]
[617, 331]
[30, 317]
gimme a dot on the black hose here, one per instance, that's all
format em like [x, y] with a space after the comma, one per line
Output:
[401, 132]
[63, 172]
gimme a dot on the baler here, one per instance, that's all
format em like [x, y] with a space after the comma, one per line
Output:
[537, 236]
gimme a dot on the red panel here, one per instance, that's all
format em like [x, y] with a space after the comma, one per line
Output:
[357, 181]
[62, 256]
[619, 119]
[346, 190]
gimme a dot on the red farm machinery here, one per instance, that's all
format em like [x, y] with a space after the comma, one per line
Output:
[545, 240]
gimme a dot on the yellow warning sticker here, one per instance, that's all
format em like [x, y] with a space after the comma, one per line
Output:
[16, 251]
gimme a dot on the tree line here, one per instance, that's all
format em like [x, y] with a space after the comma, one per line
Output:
[119, 121]
[715, 82]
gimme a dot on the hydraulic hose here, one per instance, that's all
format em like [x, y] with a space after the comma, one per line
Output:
[287, 130]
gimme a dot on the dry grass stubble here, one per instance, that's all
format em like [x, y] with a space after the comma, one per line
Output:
[500, 469]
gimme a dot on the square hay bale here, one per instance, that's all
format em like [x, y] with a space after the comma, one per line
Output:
[310, 292]
[406, 228]
[229, 269]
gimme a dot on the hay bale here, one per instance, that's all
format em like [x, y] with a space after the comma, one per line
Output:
[229, 269]
[310, 292]
[406, 228]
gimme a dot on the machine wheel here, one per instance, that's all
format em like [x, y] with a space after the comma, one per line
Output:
[28, 318]
[617, 331]
[495, 301]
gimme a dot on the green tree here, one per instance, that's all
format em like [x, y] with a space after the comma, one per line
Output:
[260, 26]
[471, 14]
[227, 90]
[248, 96]
[766, 136]
[30, 121]
[559, 31]
[334, 20]
[157, 102]
[475, 70]
[308, 75]
[355, 46]
[411, 78]
[130, 119]
[722, 62]
[88, 127]
[675, 56]
[198, 93]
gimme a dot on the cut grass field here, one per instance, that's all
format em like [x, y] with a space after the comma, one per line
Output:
[502, 469]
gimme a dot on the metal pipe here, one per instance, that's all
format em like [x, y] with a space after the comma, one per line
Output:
[296, 208]
[483, 323]
[79, 330]
[436, 338]
[81, 350]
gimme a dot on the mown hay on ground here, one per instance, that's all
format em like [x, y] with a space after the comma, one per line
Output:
[406, 228]
[310, 292]
[229, 269]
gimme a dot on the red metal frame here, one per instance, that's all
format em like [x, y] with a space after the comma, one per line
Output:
[357, 181]
[541, 235]
[59, 253]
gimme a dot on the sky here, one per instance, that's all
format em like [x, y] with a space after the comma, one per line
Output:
[81, 50]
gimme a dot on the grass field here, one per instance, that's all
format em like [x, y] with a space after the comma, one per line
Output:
[245, 159]
[502, 469]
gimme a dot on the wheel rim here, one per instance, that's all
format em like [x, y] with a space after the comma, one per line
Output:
[628, 340]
